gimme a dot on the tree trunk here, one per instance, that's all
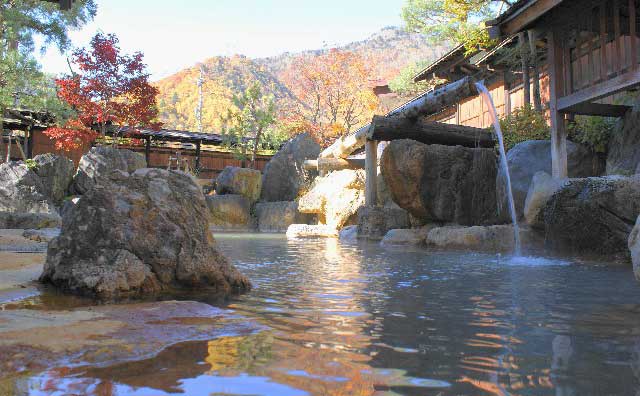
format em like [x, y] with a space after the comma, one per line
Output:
[429, 132]
[537, 100]
[427, 104]
[332, 164]
[526, 81]
[256, 143]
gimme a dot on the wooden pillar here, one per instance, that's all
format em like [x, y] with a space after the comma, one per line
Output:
[147, 150]
[197, 166]
[558, 131]
[371, 172]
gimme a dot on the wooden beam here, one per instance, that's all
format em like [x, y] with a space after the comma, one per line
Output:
[525, 16]
[429, 132]
[371, 173]
[597, 109]
[558, 131]
[438, 99]
[147, 149]
[617, 58]
[332, 164]
[612, 86]
[603, 40]
[197, 164]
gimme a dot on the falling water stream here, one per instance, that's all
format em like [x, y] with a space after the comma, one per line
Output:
[486, 96]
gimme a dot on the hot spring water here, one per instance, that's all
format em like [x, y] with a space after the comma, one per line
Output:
[486, 96]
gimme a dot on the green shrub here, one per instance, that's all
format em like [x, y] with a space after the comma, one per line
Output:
[31, 164]
[524, 123]
[592, 131]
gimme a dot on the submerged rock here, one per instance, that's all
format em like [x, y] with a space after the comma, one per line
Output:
[542, 188]
[408, 236]
[41, 235]
[29, 220]
[278, 216]
[230, 212]
[527, 158]
[495, 238]
[139, 234]
[311, 231]
[100, 162]
[335, 198]
[374, 222]
[243, 181]
[349, 233]
[592, 215]
[438, 183]
[284, 175]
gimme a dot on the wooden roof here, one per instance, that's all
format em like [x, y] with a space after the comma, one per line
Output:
[174, 135]
[519, 16]
[23, 119]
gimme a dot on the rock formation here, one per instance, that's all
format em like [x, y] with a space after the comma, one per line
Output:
[231, 212]
[634, 248]
[438, 183]
[335, 198]
[623, 154]
[284, 175]
[527, 158]
[243, 181]
[542, 188]
[278, 216]
[374, 222]
[139, 234]
[592, 215]
[100, 161]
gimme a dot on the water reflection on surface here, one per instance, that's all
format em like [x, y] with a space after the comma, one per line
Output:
[363, 320]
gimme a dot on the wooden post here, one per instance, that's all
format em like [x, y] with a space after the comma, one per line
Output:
[632, 32]
[526, 80]
[147, 150]
[558, 132]
[197, 166]
[371, 172]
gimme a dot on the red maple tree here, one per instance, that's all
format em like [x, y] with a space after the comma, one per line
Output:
[110, 89]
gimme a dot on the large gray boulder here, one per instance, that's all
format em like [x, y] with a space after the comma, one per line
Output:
[284, 175]
[542, 188]
[243, 181]
[623, 153]
[375, 221]
[278, 216]
[100, 161]
[230, 212]
[527, 158]
[438, 183]
[139, 234]
[56, 173]
[592, 215]
[335, 198]
[22, 190]
[634, 248]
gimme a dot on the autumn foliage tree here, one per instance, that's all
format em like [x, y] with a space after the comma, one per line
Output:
[108, 89]
[334, 92]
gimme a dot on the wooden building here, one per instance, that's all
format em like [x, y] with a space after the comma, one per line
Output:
[591, 55]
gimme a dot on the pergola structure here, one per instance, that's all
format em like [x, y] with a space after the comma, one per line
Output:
[170, 135]
[405, 122]
[592, 54]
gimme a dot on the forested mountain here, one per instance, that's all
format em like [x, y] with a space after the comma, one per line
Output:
[387, 51]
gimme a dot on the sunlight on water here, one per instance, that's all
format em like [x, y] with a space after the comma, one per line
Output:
[329, 319]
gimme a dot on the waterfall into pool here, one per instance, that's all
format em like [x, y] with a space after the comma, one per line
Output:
[486, 96]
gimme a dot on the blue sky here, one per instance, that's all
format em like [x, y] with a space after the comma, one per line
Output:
[176, 34]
